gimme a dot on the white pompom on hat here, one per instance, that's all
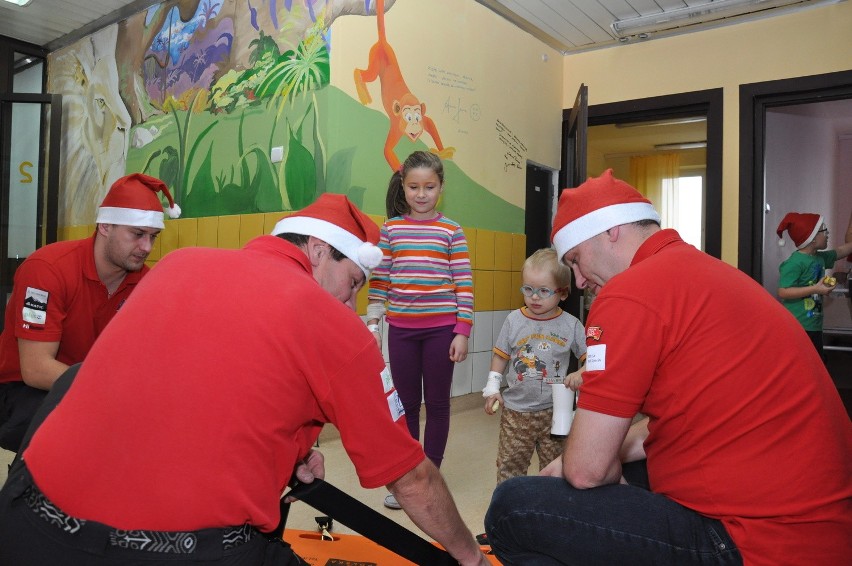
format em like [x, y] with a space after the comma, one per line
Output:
[598, 204]
[335, 220]
[133, 201]
[802, 227]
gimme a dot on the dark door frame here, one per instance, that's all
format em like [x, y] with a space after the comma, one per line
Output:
[755, 100]
[703, 102]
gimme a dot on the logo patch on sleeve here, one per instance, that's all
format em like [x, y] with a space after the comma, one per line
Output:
[35, 306]
[594, 332]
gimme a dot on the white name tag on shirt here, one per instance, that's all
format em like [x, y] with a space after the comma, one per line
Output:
[387, 380]
[596, 357]
[395, 406]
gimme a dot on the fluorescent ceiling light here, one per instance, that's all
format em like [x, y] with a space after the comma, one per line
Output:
[701, 13]
[19, 2]
[666, 122]
[681, 145]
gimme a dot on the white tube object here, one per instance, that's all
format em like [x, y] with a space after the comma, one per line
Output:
[563, 410]
[492, 387]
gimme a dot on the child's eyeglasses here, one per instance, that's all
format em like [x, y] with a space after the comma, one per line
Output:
[543, 292]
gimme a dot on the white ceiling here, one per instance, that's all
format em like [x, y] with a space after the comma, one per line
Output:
[566, 25]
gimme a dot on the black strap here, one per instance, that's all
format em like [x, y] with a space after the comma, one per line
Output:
[344, 508]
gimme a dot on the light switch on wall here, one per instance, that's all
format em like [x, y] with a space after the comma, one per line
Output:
[277, 154]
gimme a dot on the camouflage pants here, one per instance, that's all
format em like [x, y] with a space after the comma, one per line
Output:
[520, 434]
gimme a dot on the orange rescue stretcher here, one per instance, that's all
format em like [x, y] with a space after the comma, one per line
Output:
[380, 542]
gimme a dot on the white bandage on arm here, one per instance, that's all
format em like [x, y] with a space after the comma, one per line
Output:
[375, 311]
[493, 385]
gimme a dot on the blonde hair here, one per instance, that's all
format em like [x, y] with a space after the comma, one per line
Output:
[545, 258]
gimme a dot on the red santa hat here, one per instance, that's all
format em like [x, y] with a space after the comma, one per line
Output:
[595, 206]
[335, 220]
[133, 201]
[802, 227]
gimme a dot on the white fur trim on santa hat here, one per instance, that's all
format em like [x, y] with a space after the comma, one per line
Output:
[813, 234]
[600, 220]
[130, 217]
[365, 254]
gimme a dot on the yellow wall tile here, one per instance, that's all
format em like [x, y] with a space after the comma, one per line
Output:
[483, 290]
[208, 232]
[519, 251]
[503, 251]
[378, 219]
[229, 232]
[156, 249]
[251, 226]
[270, 219]
[502, 290]
[168, 239]
[361, 300]
[470, 236]
[485, 249]
[187, 229]
[517, 298]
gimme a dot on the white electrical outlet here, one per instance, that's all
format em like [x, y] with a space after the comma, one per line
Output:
[277, 154]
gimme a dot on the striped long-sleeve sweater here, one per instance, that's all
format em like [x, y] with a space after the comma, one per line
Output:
[425, 274]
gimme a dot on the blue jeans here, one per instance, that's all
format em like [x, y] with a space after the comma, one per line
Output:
[537, 520]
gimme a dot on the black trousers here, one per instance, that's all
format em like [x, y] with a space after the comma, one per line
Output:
[18, 403]
[35, 532]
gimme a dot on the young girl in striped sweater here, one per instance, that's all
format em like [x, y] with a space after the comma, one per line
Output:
[425, 280]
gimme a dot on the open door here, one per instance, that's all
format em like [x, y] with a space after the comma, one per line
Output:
[573, 172]
[574, 127]
[29, 179]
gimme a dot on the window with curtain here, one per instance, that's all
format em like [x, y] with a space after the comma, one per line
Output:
[678, 199]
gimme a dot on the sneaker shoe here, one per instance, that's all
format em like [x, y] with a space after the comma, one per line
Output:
[482, 539]
[391, 502]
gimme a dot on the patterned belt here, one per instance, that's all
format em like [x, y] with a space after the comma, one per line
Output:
[168, 542]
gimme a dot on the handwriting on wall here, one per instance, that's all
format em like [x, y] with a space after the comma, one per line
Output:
[514, 156]
[461, 107]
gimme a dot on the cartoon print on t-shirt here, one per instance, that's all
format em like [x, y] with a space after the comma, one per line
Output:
[526, 364]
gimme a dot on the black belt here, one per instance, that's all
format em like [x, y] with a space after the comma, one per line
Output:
[164, 542]
[344, 508]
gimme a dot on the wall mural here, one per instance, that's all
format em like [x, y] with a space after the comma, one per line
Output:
[407, 114]
[205, 93]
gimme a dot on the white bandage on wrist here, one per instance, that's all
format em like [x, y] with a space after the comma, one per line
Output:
[493, 385]
[375, 311]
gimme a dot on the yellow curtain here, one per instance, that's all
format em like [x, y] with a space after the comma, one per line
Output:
[647, 173]
[650, 174]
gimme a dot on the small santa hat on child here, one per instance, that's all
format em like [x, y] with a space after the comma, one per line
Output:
[802, 227]
[597, 205]
[335, 220]
[133, 201]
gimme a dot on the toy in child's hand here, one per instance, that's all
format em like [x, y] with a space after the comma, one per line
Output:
[495, 406]
[830, 281]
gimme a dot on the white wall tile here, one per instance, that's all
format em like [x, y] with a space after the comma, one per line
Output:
[462, 375]
[483, 340]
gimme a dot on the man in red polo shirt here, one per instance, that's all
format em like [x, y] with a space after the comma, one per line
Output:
[65, 293]
[746, 441]
[202, 398]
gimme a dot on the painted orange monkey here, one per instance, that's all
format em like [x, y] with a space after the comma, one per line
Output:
[407, 114]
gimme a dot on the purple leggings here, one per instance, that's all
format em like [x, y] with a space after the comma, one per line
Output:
[421, 368]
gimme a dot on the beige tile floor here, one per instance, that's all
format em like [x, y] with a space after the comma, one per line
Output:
[468, 468]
